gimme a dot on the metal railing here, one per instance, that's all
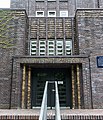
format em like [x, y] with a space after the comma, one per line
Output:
[43, 111]
[57, 106]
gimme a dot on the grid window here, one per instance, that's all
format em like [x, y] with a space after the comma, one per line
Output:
[68, 48]
[33, 46]
[51, 50]
[59, 47]
[42, 47]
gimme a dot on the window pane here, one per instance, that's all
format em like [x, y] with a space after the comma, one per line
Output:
[33, 46]
[68, 48]
[51, 0]
[39, 13]
[59, 47]
[51, 13]
[42, 47]
[51, 47]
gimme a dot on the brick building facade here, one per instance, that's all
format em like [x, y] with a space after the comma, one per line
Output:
[51, 40]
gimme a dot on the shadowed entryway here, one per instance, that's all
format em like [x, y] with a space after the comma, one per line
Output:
[69, 80]
[39, 76]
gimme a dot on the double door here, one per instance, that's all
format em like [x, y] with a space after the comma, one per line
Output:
[39, 78]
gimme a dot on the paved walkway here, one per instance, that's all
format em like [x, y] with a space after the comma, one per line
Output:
[51, 112]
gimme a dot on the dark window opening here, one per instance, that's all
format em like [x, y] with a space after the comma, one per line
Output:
[98, 3]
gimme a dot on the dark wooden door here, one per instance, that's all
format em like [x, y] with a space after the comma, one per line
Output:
[39, 78]
[51, 94]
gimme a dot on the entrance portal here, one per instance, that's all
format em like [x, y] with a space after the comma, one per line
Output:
[39, 77]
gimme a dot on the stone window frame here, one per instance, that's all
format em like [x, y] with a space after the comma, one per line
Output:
[40, 14]
[53, 13]
[65, 11]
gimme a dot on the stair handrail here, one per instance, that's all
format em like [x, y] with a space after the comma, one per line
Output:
[57, 105]
[43, 110]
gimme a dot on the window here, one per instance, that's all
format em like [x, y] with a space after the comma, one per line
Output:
[59, 47]
[39, 0]
[63, 13]
[42, 47]
[98, 3]
[68, 48]
[39, 13]
[51, 0]
[51, 13]
[51, 48]
[33, 46]
[63, 0]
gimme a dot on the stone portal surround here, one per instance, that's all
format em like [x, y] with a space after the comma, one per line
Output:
[17, 77]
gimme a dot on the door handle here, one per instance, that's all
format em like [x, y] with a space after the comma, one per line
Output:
[53, 90]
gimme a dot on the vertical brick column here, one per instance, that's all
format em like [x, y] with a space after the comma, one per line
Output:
[78, 86]
[73, 87]
[29, 89]
[23, 87]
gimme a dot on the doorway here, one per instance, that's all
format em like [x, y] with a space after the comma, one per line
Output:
[39, 76]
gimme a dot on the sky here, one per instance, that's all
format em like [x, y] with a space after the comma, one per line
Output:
[4, 3]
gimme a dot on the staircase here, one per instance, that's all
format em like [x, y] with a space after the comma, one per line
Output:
[55, 113]
[33, 114]
[43, 111]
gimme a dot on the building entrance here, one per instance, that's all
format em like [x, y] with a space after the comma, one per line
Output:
[39, 76]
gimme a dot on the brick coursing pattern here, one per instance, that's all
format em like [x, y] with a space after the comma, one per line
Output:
[90, 32]
[89, 26]
[50, 28]
[52, 117]
[18, 117]
[19, 36]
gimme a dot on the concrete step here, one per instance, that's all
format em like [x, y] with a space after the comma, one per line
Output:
[33, 114]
